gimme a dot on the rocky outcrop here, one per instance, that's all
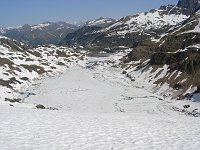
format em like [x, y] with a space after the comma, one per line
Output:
[189, 6]
[141, 51]
[187, 61]
[13, 44]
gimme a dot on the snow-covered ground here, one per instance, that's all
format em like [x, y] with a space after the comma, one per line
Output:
[98, 108]
[97, 91]
[43, 129]
[32, 64]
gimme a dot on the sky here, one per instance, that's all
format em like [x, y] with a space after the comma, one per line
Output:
[19, 12]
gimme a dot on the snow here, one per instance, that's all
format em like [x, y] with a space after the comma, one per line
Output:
[3, 37]
[144, 22]
[156, 40]
[51, 34]
[191, 89]
[100, 21]
[196, 29]
[40, 26]
[38, 129]
[156, 19]
[2, 30]
[197, 46]
[196, 18]
[49, 62]
[98, 108]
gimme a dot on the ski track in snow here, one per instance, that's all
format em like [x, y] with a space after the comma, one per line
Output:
[98, 109]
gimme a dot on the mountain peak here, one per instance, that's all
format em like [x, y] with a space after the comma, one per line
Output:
[189, 6]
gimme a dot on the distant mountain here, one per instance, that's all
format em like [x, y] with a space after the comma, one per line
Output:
[129, 30]
[100, 22]
[40, 34]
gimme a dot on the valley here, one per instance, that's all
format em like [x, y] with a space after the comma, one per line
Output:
[128, 83]
[93, 105]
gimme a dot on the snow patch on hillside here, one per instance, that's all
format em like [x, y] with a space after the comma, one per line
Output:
[145, 21]
[3, 37]
[20, 69]
[99, 21]
[196, 29]
[40, 26]
[2, 31]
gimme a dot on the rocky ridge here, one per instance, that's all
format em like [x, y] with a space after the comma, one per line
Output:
[40, 34]
[129, 30]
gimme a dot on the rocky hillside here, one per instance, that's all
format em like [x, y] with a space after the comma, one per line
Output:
[21, 66]
[189, 6]
[130, 30]
[40, 34]
[172, 60]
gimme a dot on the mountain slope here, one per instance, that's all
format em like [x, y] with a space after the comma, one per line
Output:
[129, 30]
[173, 59]
[97, 108]
[81, 36]
[189, 6]
[21, 65]
[40, 34]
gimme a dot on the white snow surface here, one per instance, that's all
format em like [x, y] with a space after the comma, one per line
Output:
[40, 26]
[42, 129]
[100, 21]
[3, 37]
[98, 108]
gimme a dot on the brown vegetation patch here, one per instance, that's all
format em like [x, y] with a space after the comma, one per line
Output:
[38, 69]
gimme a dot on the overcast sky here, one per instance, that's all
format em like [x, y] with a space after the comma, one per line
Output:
[19, 12]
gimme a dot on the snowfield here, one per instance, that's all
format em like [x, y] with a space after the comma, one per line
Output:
[98, 108]
[43, 129]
